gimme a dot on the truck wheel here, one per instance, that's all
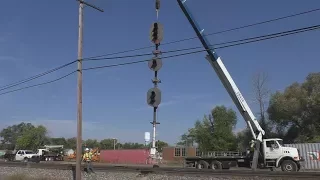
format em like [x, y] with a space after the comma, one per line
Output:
[25, 160]
[202, 165]
[216, 165]
[289, 166]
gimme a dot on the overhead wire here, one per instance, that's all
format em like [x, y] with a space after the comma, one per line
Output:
[40, 84]
[136, 49]
[289, 32]
[213, 33]
[35, 77]
[235, 43]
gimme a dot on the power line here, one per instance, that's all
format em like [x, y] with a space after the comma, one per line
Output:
[235, 43]
[35, 77]
[118, 57]
[40, 84]
[262, 38]
[136, 49]
[289, 32]
[214, 33]
[240, 42]
[264, 22]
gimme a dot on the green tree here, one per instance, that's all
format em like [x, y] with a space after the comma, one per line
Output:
[243, 139]
[32, 138]
[92, 143]
[187, 139]
[108, 144]
[71, 143]
[159, 144]
[215, 131]
[10, 134]
[58, 141]
[131, 145]
[295, 112]
[225, 121]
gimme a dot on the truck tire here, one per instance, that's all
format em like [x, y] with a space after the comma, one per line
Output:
[25, 160]
[216, 165]
[202, 165]
[289, 166]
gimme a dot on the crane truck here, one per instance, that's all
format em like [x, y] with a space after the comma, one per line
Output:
[268, 153]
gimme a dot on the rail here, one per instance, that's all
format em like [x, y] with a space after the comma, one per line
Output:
[170, 170]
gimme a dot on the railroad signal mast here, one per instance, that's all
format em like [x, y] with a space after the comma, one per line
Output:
[155, 64]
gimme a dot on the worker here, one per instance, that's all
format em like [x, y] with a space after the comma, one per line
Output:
[252, 145]
[87, 157]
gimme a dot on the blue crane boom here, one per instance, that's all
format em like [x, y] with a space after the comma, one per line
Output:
[226, 79]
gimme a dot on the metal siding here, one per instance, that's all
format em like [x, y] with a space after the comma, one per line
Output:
[128, 156]
[310, 152]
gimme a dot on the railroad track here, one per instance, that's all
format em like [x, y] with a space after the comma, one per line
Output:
[170, 170]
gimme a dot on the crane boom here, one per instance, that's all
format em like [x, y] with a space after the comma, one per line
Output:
[226, 79]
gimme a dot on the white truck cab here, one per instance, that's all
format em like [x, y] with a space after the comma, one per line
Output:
[25, 155]
[275, 154]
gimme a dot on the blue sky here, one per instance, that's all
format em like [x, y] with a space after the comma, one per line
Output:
[37, 36]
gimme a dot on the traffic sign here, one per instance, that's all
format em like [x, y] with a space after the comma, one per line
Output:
[155, 63]
[154, 97]
[156, 33]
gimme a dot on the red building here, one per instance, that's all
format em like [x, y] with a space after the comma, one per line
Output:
[177, 154]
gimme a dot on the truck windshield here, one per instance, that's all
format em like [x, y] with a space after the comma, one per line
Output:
[281, 143]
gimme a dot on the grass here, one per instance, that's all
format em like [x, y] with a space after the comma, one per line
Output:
[24, 177]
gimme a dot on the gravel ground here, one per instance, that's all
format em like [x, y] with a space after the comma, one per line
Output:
[49, 174]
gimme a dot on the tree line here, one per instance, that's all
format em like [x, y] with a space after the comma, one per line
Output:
[29, 136]
[292, 115]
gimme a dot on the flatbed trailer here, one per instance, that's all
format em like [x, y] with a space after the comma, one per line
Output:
[220, 160]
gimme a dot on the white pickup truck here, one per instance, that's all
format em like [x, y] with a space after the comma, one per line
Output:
[22, 155]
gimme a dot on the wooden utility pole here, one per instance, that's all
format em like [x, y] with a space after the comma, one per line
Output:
[79, 88]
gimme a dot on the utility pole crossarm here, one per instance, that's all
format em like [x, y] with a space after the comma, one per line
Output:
[90, 5]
